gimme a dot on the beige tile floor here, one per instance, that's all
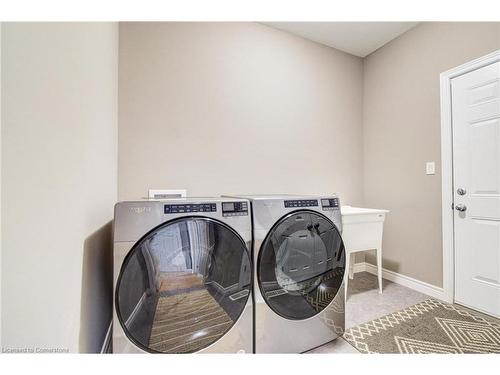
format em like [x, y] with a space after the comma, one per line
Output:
[365, 303]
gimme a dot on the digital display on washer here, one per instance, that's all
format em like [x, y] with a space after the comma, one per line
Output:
[227, 206]
[234, 209]
[188, 208]
[330, 203]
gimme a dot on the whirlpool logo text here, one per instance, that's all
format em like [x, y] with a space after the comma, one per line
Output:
[140, 210]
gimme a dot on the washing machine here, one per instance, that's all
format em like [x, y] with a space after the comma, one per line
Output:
[299, 265]
[183, 276]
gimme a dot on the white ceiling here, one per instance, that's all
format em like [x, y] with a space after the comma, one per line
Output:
[357, 38]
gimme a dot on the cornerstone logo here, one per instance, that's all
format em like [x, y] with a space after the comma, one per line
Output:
[34, 350]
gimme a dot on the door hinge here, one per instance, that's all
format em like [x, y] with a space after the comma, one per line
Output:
[453, 206]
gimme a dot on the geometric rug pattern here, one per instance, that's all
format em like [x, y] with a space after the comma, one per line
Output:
[320, 298]
[428, 327]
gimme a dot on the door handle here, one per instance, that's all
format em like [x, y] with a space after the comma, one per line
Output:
[461, 207]
[461, 191]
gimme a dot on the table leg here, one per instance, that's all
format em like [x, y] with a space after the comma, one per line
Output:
[379, 268]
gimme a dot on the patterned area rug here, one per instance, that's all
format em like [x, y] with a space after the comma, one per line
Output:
[321, 297]
[428, 327]
[187, 322]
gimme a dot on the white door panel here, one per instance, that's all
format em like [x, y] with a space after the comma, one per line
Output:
[484, 92]
[476, 169]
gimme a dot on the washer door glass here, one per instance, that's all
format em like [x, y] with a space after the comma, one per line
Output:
[301, 265]
[183, 286]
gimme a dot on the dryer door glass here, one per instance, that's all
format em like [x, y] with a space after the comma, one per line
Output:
[301, 265]
[183, 286]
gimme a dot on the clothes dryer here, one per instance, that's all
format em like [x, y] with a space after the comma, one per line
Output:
[299, 260]
[183, 276]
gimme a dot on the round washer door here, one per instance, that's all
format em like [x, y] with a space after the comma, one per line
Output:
[301, 265]
[183, 285]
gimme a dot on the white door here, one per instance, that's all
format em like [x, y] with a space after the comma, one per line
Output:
[476, 175]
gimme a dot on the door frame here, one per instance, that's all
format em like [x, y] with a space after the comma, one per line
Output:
[447, 191]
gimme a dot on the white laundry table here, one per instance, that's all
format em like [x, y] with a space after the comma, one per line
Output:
[362, 230]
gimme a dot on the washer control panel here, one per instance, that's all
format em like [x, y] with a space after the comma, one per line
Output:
[234, 209]
[298, 203]
[330, 203]
[187, 208]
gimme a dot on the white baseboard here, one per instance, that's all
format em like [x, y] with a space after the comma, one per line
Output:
[359, 267]
[409, 282]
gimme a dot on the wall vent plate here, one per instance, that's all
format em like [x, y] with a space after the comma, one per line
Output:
[166, 193]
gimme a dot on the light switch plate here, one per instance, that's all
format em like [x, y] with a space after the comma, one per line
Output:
[430, 168]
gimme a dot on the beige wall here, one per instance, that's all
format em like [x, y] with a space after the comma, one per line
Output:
[59, 166]
[236, 108]
[402, 131]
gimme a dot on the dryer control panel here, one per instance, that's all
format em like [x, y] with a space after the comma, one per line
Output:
[234, 209]
[187, 208]
[299, 203]
[330, 203]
